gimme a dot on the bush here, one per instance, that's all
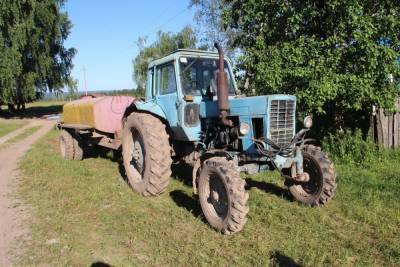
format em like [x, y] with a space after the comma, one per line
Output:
[349, 147]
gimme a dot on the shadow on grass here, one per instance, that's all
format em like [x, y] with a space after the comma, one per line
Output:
[100, 264]
[31, 112]
[269, 188]
[187, 202]
[279, 259]
[183, 173]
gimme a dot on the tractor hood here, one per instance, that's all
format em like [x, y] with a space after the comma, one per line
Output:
[243, 106]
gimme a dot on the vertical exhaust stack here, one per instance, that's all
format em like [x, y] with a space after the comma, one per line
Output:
[222, 89]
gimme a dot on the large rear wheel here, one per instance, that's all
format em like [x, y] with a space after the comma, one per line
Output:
[146, 154]
[222, 195]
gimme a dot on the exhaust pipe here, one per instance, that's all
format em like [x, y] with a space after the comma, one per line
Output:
[222, 89]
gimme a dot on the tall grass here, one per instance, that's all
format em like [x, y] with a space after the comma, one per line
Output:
[350, 148]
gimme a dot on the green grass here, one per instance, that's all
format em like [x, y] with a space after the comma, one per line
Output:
[7, 126]
[27, 132]
[83, 212]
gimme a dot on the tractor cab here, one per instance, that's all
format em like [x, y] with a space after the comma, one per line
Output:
[180, 84]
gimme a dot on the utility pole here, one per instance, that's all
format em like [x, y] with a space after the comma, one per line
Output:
[84, 78]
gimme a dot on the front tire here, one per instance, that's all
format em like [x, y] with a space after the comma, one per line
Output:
[222, 195]
[146, 154]
[322, 184]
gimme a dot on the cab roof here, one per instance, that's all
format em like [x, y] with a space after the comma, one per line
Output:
[184, 53]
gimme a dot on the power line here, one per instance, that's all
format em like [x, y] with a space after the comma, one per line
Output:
[156, 29]
[174, 17]
[161, 14]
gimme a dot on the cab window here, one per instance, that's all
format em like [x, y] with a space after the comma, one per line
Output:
[166, 79]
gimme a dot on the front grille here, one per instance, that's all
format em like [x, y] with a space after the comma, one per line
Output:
[282, 121]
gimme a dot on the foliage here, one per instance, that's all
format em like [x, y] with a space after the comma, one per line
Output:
[208, 17]
[130, 92]
[333, 55]
[351, 148]
[33, 58]
[165, 44]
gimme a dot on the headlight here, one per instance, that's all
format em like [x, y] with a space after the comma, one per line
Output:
[244, 128]
[307, 122]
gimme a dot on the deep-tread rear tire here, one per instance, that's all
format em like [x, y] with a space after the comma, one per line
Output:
[145, 135]
[322, 185]
[222, 195]
[66, 144]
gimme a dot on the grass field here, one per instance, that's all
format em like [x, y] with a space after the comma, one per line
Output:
[84, 212]
[7, 126]
[27, 132]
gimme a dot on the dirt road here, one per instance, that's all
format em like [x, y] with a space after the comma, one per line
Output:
[10, 216]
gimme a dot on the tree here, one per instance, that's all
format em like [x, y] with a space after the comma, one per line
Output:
[335, 56]
[211, 27]
[33, 58]
[165, 44]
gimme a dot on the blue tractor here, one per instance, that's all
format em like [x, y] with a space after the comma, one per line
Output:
[193, 114]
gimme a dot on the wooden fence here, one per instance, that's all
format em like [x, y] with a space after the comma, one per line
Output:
[387, 128]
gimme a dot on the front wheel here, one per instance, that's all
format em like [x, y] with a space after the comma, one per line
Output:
[222, 195]
[322, 184]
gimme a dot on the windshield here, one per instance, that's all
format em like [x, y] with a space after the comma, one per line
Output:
[200, 74]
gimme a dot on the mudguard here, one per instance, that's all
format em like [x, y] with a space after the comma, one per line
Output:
[149, 107]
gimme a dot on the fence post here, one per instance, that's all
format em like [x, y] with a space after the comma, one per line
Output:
[396, 126]
[388, 127]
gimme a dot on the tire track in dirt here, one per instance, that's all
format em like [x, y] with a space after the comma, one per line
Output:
[12, 134]
[10, 216]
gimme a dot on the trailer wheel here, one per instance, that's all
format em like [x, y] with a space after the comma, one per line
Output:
[222, 195]
[78, 147]
[66, 144]
[322, 184]
[146, 154]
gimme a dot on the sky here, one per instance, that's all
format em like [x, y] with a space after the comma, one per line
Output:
[105, 33]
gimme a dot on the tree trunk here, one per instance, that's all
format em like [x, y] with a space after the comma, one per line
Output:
[11, 107]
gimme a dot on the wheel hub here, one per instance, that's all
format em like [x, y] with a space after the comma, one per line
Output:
[137, 155]
[215, 196]
[218, 196]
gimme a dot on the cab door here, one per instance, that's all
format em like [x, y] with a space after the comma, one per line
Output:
[167, 95]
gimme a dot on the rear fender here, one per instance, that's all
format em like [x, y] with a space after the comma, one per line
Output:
[149, 108]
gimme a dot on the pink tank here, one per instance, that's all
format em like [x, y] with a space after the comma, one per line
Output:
[102, 113]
